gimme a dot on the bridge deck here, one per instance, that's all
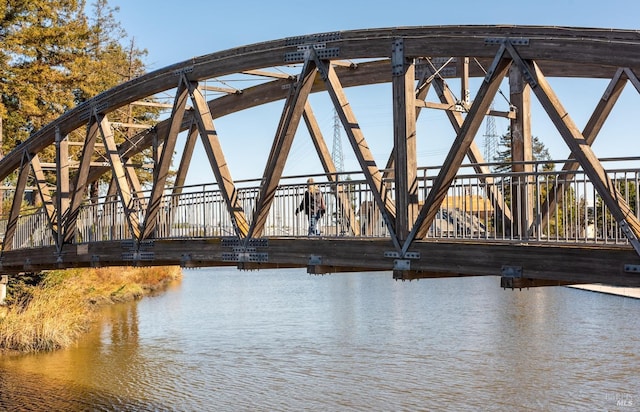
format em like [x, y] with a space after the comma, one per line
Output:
[553, 264]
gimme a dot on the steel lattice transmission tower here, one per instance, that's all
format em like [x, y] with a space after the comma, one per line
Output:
[490, 139]
[336, 150]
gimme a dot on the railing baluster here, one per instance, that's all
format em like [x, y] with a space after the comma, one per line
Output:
[467, 212]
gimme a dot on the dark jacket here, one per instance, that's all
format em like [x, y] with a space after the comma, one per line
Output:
[312, 203]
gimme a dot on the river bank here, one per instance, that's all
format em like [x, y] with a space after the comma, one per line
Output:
[56, 311]
[611, 290]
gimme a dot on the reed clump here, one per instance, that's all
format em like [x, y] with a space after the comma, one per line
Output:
[56, 311]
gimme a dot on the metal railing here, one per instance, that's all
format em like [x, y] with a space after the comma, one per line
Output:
[468, 211]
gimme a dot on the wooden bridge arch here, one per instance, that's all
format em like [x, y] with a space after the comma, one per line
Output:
[414, 60]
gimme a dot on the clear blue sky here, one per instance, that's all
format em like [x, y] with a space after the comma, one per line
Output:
[173, 31]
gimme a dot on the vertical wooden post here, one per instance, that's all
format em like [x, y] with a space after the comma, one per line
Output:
[1, 156]
[62, 183]
[522, 197]
[464, 81]
[404, 135]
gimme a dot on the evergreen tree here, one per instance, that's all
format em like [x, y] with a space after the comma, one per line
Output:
[605, 222]
[40, 43]
[565, 206]
[54, 56]
[540, 153]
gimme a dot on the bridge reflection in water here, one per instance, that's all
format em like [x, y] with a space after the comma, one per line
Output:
[533, 225]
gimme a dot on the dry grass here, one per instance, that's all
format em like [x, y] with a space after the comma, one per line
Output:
[61, 308]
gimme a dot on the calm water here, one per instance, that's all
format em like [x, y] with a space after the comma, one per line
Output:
[284, 340]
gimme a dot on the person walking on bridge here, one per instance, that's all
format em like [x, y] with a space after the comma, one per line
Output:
[313, 206]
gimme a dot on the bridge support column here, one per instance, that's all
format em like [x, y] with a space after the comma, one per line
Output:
[4, 279]
[521, 154]
[404, 134]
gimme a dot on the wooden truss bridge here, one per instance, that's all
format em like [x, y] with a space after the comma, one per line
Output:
[578, 222]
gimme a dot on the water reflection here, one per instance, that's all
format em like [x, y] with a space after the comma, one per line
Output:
[80, 378]
[285, 340]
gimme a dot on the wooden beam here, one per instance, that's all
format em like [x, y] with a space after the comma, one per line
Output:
[152, 104]
[344, 203]
[119, 176]
[359, 144]
[404, 134]
[590, 132]
[131, 125]
[460, 147]
[521, 154]
[319, 143]
[289, 121]
[226, 90]
[441, 106]
[80, 183]
[463, 62]
[134, 183]
[507, 282]
[16, 205]
[425, 274]
[185, 160]
[217, 161]
[52, 166]
[473, 153]
[344, 63]
[161, 170]
[573, 263]
[422, 89]
[76, 144]
[45, 195]
[324, 269]
[458, 108]
[620, 210]
[631, 75]
[63, 195]
[274, 75]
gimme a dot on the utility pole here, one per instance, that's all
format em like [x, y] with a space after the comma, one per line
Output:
[490, 138]
[336, 151]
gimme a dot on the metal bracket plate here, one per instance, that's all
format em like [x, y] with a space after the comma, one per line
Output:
[632, 268]
[402, 264]
[520, 41]
[624, 225]
[313, 38]
[245, 257]
[512, 271]
[183, 70]
[323, 53]
[315, 260]
[240, 249]
[233, 242]
[93, 108]
[397, 57]
[407, 255]
[138, 256]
